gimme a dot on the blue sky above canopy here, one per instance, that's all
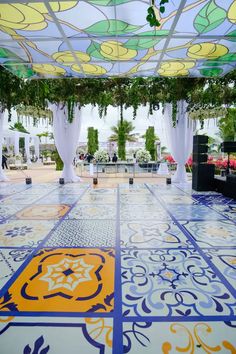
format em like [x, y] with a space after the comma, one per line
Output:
[105, 38]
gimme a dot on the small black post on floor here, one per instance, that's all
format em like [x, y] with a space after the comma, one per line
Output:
[61, 180]
[131, 180]
[28, 180]
[95, 181]
[222, 173]
[168, 180]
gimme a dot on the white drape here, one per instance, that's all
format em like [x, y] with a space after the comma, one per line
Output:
[16, 143]
[179, 138]
[3, 177]
[66, 136]
[27, 149]
[36, 146]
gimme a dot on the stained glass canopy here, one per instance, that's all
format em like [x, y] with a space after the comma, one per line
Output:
[105, 38]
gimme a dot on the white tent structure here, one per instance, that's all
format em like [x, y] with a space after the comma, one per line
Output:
[12, 138]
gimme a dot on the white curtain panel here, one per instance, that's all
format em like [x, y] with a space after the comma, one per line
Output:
[66, 136]
[179, 138]
[16, 143]
[3, 177]
[27, 149]
[36, 146]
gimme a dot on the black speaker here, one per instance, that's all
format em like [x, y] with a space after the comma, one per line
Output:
[231, 179]
[203, 177]
[200, 149]
[228, 146]
[200, 139]
[199, 158]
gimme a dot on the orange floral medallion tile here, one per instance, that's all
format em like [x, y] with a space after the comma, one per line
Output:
[64, 280]
[43, 212]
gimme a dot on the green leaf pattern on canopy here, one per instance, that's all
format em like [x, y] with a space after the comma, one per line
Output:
[111, 27]
[209, 18]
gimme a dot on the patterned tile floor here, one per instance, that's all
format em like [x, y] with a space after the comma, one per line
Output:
[142, 268]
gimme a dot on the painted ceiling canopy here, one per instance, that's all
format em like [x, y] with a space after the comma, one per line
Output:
[105, 38]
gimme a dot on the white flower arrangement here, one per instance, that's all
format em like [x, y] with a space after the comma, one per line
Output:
[101, 156]
[18, 157]
[143, 155]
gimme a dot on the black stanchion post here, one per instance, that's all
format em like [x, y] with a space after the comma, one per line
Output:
[28, 180]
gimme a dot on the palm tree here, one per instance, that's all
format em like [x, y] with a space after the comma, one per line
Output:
[121, 134]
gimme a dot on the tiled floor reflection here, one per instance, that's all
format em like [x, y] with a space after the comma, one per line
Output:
[141, 268]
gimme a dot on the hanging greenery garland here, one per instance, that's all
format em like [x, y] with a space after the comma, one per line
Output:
[70, 106]
[151, 17]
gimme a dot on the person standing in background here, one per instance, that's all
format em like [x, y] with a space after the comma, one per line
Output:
[114, 158]
[4, 162]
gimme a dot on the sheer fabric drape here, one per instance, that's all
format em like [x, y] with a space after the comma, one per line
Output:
[66, 136]
[179, 138]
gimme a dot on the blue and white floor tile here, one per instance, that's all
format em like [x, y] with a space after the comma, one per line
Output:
[21, 198]
[83, 233]
[8, 210]
[178, 337]
[59, 199]
[24, 233]
[177, 199]
[193, 212]
[44, 335]
[137, 199]
[10, 260]
[227, 210]
[211, 199]
[152, 234]
[88, 211]
[210, 234]
[98, 198]
[148, 269]
[143, 212]
[172, 283]
[225, 261]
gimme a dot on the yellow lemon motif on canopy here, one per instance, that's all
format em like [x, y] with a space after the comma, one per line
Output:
[207, 51]
[67, 58]
[232, 12]
[114, 50]
[90, 69]
[29, 17]
[21, 17]
[48, 69]
[56, 6]
[175, 68]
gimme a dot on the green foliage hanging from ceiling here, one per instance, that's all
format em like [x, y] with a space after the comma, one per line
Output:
[122, 92]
